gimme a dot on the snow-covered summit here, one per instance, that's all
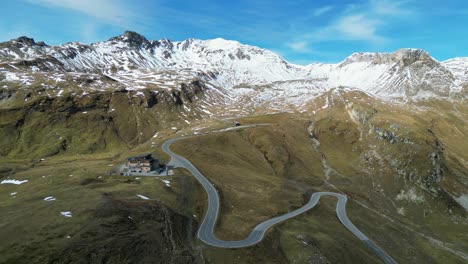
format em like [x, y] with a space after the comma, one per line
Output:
[404, 73]
[459, 68]
[403, 56]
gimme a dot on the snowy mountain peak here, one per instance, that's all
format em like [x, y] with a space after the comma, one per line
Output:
[408, 56]
[403, 56]
[24, 41]
[133, 39]
[412, 53]
[459, 68]
[222, 44]
[359, 57]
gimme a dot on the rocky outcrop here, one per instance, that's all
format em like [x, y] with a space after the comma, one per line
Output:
[403, 57]
[133, 39]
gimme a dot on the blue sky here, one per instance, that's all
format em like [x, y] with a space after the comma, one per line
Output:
[301, 31]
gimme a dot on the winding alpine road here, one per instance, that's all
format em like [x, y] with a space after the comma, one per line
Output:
[206, 230]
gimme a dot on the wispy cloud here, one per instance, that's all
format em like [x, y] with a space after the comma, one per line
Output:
[391, 8]
[363, 22]
[299, 46]
[355, 27]
[322, 10]
[110, 11]
[90, 20]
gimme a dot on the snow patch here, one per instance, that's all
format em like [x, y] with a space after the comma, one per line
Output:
[16, 182]
[49, 199]
[66, 213]
[9, 76]
[463, 201]
[142, 197]
[168, 183]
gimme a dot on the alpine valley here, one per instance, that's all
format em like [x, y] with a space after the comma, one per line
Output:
[388, 130]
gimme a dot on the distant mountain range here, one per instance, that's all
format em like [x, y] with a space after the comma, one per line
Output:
[236, 70]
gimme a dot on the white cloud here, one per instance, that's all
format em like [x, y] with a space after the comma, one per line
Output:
[322, 10]
[111, 11]
[391, 8]
[363, 22]
[354, 27]
[357, 27]
[298, 46]
[367, 21]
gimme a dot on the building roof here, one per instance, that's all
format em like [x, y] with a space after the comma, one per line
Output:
[141, 156]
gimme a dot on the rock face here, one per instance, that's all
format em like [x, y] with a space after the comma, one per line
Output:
[25, 41]
[133, 39]
[403, 57]
[408, 56]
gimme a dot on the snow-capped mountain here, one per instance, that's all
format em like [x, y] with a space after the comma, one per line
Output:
[404, 73]
[459, 68]
[236, 62]
[240, 71]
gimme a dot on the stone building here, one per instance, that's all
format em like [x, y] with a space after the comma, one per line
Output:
[142, 163]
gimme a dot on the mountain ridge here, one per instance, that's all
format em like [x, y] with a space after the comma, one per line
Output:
[136, 62]
[133, 37]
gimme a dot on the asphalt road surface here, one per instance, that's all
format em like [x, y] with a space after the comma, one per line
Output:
[206, 230]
